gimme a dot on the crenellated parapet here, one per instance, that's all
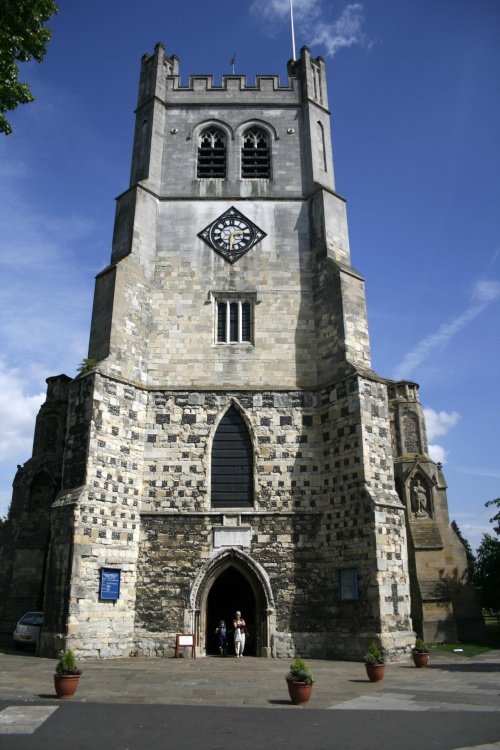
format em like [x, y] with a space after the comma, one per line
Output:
[160, 77]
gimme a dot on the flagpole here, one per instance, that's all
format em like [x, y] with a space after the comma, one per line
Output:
[293, 31]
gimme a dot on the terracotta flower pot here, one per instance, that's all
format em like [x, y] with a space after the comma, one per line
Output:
[375, 672]
[300, 692]
[65, 685]
[420, 659]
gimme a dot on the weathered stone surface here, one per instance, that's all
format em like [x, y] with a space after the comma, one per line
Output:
[131, 445]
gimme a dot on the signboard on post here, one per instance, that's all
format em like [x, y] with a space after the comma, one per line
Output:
[109, 585]
[185, 640]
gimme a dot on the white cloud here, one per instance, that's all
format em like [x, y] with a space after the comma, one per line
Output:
[313, 25]
[480, 472]
[438, 453]
[18, 411]
[344, 32]
[484, 293]
[439, 422]
[280, 9]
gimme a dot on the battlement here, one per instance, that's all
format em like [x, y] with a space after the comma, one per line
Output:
[232, 82]
[160, 77]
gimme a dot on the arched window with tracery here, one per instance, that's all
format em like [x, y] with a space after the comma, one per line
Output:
[255, 154]
[211, 154]
[232, 463]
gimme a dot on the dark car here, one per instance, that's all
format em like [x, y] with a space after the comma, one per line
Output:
[27, 630]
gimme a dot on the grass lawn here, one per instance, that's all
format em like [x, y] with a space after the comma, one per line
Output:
[491, 641]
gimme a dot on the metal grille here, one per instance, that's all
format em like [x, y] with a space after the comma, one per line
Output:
[255, 154]
[212, 154]
[232, 463]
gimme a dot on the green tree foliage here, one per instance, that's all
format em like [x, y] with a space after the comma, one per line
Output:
[23, 37]
[471, 559]
[496, 517]
[487, 572]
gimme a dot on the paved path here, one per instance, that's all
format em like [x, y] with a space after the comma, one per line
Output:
[450, 683]
[217, 704]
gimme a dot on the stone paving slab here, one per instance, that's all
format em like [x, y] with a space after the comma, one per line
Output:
[450, 683]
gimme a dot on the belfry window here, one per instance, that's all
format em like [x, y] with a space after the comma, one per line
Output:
[232, 463]
[234, 321]
[211, 154]
[255, 154]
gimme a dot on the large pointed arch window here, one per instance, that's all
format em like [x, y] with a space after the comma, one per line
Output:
[211, 154]
[232, 463]
[255, 154]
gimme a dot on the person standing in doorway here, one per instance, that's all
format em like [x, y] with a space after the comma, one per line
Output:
[221, 633]
[239, 626]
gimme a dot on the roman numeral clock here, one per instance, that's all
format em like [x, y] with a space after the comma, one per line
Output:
[231, 235]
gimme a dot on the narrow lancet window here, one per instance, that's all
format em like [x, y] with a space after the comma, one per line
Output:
[255, 154]
[232, 463]
[212, 154]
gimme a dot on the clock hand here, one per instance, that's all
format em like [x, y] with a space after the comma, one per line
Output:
[237, 233]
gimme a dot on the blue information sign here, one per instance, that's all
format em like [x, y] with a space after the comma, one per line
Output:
[110, 584]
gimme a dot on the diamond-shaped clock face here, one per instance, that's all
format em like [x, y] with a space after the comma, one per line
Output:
[232, 235]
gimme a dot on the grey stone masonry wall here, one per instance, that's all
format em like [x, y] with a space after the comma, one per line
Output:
[175, 546]
[179, 434]
[103, 481]
[363, 528]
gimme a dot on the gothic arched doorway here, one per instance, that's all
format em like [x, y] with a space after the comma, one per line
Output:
[232, 580]
[230, 592]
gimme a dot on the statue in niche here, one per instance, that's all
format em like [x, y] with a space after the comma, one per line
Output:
[420, 501]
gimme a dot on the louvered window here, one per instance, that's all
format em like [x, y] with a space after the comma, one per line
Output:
[232, 463]
[234, 322]
[255, 154]
[212, 154]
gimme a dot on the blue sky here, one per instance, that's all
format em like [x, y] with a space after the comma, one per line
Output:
[414, 91]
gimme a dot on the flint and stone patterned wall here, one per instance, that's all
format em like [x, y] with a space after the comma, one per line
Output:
[144, 506]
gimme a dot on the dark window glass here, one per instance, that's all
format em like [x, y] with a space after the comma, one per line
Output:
[233, 321]
[238, 328]
[221, 321]
[232, 463]
[212, 154]
[255, 154]
[245, 321]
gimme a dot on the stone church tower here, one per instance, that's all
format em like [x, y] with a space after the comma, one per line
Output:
[232, 447]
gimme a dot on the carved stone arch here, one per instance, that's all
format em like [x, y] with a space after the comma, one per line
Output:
[233, 401]
[263, 124]
[224, 126]
[221, 560]
[259, 582]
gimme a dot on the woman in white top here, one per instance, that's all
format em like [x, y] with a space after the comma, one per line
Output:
[239, 626]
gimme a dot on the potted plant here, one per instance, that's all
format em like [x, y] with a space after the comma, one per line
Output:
[300, 681]
[67, 675]
[420, 653]
[374, 663]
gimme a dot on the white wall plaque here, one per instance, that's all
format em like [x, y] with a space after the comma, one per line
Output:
[236, 536]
